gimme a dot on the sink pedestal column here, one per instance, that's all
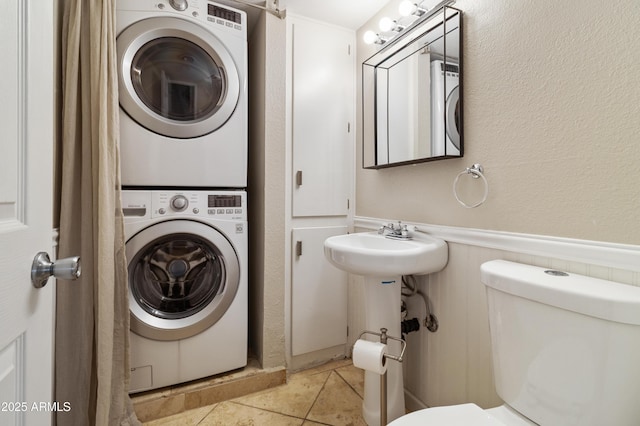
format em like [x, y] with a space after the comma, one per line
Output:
[382, 301]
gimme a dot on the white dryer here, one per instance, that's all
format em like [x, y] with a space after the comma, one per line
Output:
[182, 75]
[187, 265]
[445, 109]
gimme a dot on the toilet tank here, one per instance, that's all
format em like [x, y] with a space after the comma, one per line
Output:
[566, 348]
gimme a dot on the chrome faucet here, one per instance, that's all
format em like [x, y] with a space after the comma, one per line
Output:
[398, 232]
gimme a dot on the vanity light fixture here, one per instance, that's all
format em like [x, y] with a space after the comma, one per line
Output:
[410, 11]
[408, 8]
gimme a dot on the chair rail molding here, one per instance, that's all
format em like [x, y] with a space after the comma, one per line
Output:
[611, 255]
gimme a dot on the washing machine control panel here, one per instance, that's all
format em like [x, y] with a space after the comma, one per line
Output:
[222, 205]
[218, 205]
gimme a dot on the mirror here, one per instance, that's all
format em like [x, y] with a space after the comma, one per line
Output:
[411, 94]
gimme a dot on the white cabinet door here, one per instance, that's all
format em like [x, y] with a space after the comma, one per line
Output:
[26, 152]
[322, 117]
[319, 293]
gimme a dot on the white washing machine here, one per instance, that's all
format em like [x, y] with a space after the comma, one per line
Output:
[182, 75]
[187, 265]
[445, 109]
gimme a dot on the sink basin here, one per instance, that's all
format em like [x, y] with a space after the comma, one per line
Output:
[372, 254]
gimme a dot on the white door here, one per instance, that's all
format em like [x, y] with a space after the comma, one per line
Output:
[26, 145]
[322, 109]
[318, 293]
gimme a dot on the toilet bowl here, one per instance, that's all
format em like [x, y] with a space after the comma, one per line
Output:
[463, 415]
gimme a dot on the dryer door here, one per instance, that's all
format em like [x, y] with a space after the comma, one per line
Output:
[175, 77]
[183, 276]
[452, 117]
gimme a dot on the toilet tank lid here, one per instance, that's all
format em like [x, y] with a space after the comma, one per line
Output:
[595, 297]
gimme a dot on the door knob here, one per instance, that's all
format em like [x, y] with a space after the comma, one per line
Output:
[42, 268]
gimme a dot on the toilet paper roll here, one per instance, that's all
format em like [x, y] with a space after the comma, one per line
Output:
[370, 356]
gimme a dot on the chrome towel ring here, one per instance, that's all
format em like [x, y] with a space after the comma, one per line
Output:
[476, 171]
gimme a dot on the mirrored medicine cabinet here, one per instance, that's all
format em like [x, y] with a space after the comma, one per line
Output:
[411, 94]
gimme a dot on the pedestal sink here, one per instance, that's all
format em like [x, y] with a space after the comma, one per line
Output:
[382, 261]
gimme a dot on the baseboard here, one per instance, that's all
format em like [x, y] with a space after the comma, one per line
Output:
[413, 403]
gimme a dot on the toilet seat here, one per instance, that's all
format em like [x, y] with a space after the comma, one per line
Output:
[464, 415]
[453, 415]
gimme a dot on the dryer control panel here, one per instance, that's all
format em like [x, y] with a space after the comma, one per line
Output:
[220, 205]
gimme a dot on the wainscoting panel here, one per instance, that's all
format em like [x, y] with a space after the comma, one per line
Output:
[453, 365]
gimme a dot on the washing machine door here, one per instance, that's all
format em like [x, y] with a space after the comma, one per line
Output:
[183, 276]
[176, 78]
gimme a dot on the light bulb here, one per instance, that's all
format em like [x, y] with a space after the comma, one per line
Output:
[370, 37]
[406, 8]
[409, 7]
[386, 24]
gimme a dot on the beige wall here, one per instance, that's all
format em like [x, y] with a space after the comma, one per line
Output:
[552, 112]
[266, 190]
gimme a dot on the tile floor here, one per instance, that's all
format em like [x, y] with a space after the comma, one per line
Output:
[327, 395]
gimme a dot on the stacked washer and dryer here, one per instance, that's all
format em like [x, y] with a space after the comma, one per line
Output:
[183, 138]
[445, 108]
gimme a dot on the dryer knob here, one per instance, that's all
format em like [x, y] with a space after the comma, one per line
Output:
[179, 4]
[179, 203]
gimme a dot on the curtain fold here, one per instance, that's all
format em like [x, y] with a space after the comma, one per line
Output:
[92, 324]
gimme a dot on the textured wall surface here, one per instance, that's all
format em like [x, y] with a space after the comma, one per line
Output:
[266, 192]
[552, 112]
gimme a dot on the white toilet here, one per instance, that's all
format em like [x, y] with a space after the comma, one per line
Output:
[566, 351]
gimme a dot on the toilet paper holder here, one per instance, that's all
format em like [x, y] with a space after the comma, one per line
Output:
[384, 337]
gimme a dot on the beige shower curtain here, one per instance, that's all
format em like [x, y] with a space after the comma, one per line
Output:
[92, 325]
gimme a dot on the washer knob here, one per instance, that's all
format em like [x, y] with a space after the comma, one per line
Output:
[179, 5]
[179, 203]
